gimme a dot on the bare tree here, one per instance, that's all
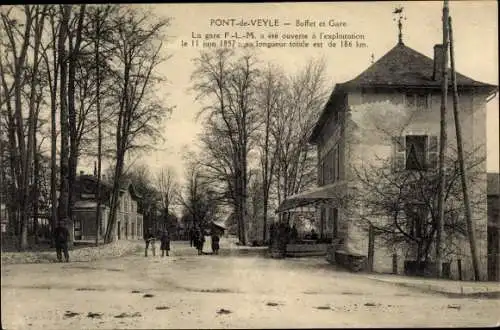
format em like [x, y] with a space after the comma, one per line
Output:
[199, 199]
[138, 53]
[228, 82]
[292, 125]
[24, 70]
[271, 99]
[167, 187]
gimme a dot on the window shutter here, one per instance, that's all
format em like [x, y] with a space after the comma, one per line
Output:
[399, 162]
[432, 151]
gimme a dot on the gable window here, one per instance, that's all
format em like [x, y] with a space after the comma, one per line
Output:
[416, 152]
[419, 101]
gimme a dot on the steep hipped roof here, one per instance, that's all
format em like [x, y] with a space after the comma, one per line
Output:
[493, 184]
[401, 67]
[405, 67]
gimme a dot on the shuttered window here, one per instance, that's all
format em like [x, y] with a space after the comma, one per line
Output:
[415, 152]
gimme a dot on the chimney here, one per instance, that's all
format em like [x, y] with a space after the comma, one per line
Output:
[438, 62]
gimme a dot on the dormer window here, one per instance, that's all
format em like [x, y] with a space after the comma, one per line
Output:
[419, 101]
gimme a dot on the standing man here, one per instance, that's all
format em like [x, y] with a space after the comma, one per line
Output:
[61, 237]
[215, 243]
[165, 243]
[192, 237]
[201, 241]
[149, 238]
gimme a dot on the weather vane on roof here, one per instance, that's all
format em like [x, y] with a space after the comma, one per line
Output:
[399, 11]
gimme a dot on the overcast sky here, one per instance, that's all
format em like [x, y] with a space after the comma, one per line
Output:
[476, 49]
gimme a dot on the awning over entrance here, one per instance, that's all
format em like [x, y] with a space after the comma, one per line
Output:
[323, 194]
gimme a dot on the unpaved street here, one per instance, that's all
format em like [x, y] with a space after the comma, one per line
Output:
[190, 291]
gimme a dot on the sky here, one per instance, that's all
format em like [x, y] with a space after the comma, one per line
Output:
[475, 28]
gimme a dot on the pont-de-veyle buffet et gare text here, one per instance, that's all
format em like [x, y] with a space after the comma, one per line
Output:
[274, 22]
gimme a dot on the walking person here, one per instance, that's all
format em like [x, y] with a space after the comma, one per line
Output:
[149, 238]
[61, 237]
[215, 243]
[165, 243]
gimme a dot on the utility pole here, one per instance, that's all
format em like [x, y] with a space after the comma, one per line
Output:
[468, 216]
[442, 142]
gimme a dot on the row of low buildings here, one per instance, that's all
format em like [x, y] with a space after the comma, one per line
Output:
[406, 79]
[129, 220]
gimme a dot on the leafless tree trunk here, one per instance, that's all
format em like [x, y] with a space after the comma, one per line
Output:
[63, 205]
[73, 54]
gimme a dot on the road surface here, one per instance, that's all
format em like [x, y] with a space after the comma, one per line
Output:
[190, 291]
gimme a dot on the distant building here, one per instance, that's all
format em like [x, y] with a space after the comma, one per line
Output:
[129, 222]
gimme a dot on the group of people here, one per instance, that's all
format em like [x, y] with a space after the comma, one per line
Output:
[150, 239]
[282, 233]
[197, 240]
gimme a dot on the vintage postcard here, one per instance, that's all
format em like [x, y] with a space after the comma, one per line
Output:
[249, 165]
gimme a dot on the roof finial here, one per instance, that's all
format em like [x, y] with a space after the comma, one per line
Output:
[401, 17]
[372, 58]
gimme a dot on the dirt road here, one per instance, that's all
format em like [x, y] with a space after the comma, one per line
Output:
[190, 291]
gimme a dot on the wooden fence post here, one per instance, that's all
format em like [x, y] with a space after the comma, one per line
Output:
[395, 263]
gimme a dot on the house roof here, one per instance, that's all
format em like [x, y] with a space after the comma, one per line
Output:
[94, 179]
[400, 67]
[493, 188]
[403, 66]
[123, 186]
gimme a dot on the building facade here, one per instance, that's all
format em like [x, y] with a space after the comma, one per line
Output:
[390, 114]
[129, 222]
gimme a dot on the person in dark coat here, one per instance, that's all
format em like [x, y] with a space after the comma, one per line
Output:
[294, 235]
[314, 234]
[149, 238]
[165, 243]
[192, 237]
[61, 237]
[200, 241]
[215, 243]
